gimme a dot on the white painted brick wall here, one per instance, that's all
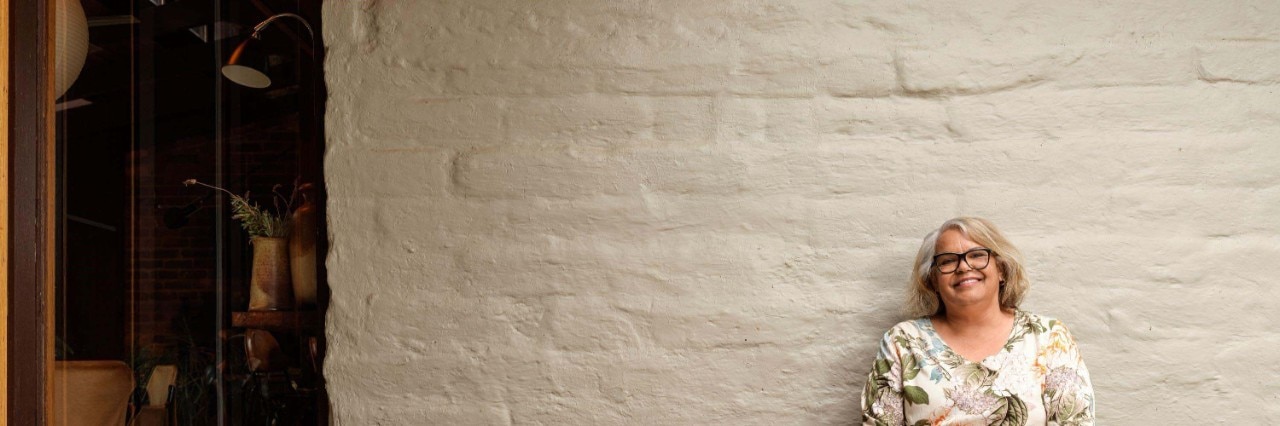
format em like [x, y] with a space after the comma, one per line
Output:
[704, 212]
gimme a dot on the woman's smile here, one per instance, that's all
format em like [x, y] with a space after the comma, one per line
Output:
[966, 282]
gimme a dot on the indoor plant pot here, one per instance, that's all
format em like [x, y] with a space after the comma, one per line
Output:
[270, 285]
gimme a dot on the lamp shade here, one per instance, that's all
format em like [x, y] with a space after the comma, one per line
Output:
[248, 65]
[71, 44]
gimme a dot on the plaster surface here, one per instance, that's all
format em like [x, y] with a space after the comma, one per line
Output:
[704, 212]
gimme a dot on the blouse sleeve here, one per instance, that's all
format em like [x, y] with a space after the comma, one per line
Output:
[1068, 391]
[882, 396]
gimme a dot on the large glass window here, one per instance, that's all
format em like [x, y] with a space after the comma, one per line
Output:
[158, 280]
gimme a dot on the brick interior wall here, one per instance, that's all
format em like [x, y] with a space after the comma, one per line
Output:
[704, 212]
[175, 277]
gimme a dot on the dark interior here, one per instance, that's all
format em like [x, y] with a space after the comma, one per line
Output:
[151, 271]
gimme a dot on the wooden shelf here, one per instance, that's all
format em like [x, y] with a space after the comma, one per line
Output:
[278, 320]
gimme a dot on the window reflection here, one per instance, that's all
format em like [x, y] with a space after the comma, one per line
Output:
[153, 275]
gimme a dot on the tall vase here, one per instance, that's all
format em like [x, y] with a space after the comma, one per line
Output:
[302, 254]
[270, 287]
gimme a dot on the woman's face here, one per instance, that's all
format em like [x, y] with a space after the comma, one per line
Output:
[966, 286]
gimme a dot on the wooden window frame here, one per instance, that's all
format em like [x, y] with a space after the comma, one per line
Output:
[28, 251]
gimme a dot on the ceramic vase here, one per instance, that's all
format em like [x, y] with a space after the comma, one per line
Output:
[302, 255]
[270, 287]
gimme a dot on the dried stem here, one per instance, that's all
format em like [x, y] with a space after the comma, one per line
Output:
[254, 220]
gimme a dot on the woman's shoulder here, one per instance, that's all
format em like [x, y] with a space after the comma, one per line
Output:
[910, 327]
[1041, 323]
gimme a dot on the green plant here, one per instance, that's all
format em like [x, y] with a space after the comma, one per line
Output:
[258, 221]
[194, 390]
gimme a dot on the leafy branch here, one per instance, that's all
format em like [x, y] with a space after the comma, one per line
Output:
[255, 220]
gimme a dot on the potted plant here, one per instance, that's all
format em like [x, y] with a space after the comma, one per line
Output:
[193, 394]
[270, 285]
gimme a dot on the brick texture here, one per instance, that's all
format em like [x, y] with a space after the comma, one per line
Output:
[175, 277]
[676, 212]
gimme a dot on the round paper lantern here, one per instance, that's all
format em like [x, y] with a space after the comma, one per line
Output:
[72, 44]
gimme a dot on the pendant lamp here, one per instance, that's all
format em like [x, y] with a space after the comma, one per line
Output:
[71, 44]
[247, 65]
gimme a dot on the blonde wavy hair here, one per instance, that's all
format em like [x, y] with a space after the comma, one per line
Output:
[922, 299]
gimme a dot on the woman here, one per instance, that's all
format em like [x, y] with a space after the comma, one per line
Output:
[973, 358]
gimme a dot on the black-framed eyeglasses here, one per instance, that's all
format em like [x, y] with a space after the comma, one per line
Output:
[976, 259]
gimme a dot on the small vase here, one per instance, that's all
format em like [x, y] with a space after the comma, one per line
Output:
[270, 288]
[302, 254]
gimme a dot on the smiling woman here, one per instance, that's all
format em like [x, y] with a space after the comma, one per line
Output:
[972, 357]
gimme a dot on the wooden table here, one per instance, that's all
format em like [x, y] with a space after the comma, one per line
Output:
[294, 321]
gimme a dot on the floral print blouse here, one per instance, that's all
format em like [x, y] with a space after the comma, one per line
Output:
[1037, 378]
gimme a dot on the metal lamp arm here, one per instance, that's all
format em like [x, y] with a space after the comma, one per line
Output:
[263, 25]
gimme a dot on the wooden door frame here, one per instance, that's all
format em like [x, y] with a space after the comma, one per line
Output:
[29, 203]
[4, 208]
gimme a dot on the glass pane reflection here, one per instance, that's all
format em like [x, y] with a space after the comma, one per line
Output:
[152, 273]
